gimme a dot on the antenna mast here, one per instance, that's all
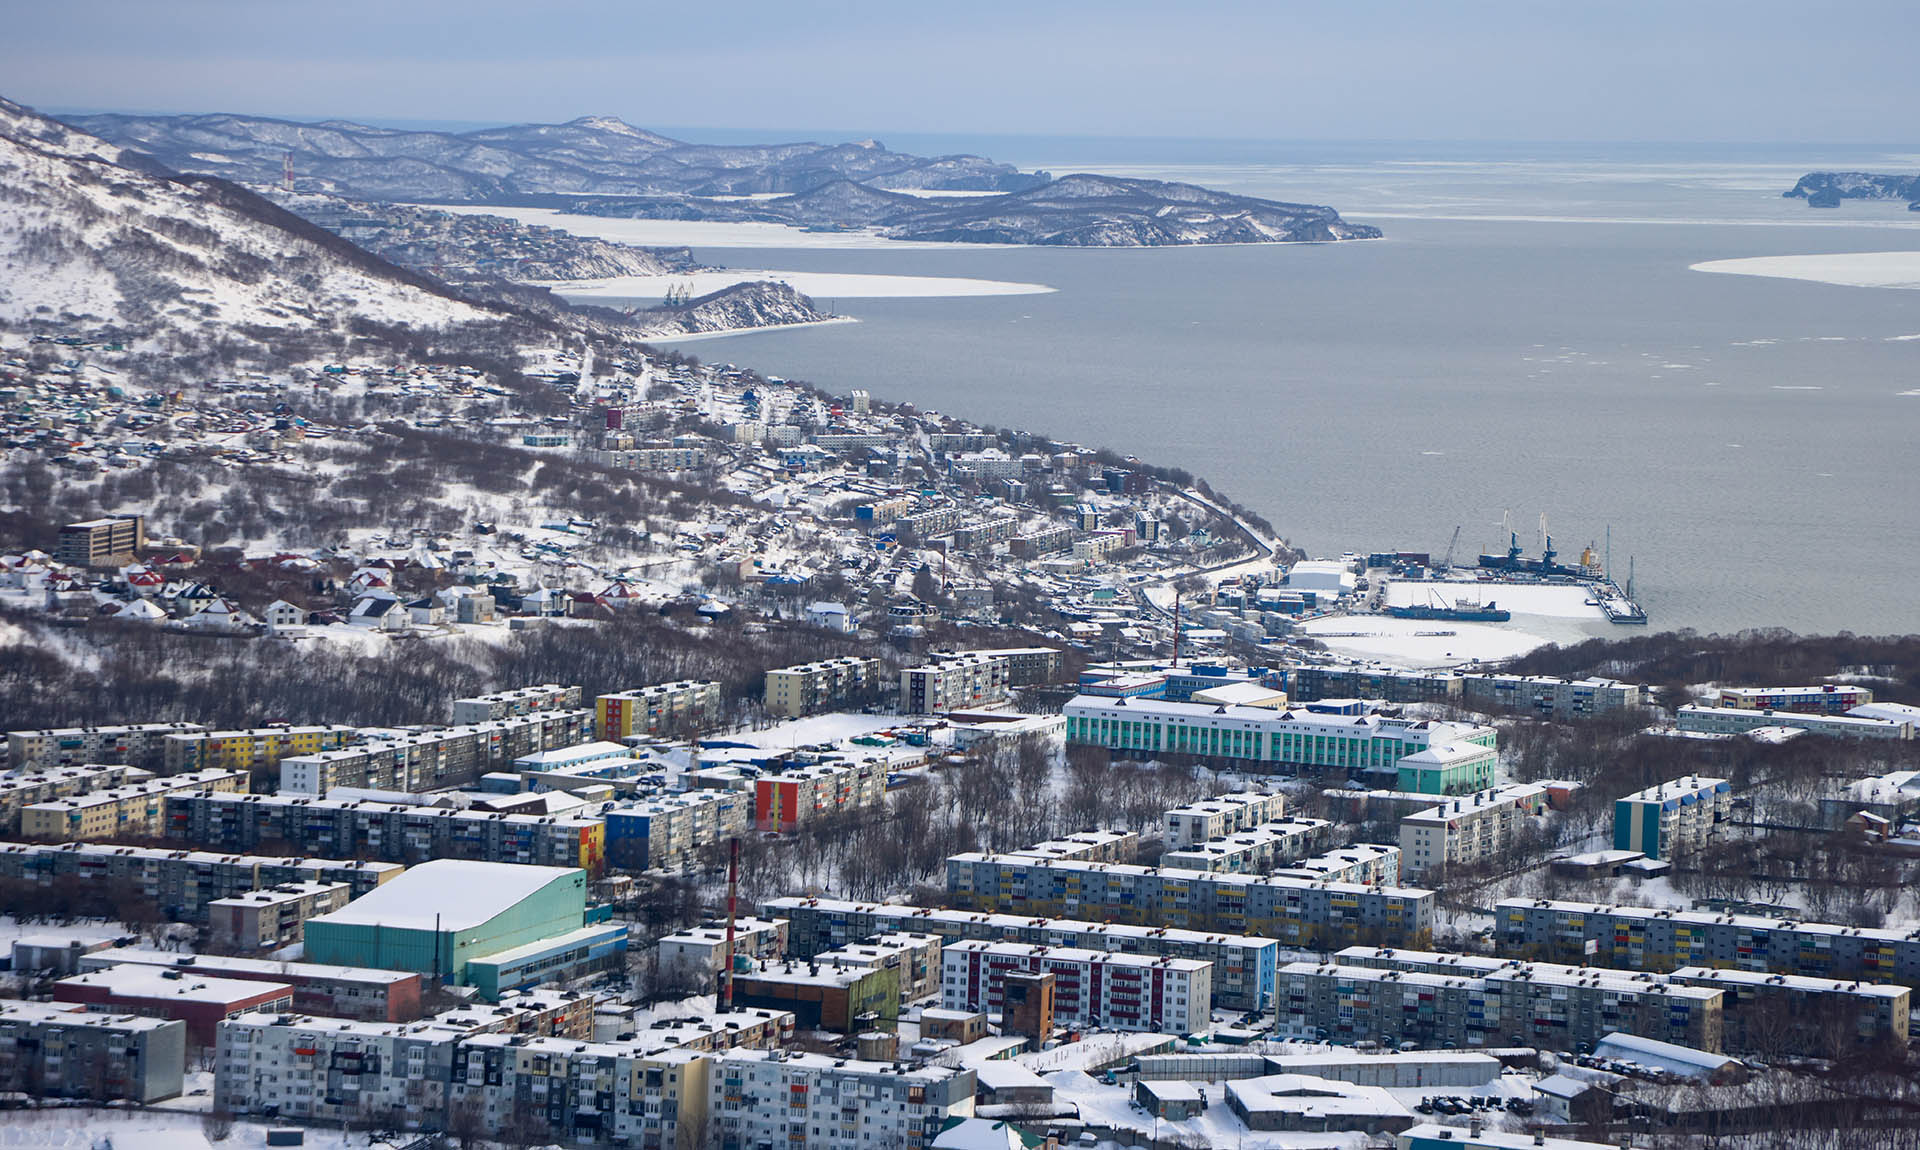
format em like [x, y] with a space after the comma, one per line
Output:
[286, 171]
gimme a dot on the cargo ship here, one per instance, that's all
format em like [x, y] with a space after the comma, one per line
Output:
[1488, 612]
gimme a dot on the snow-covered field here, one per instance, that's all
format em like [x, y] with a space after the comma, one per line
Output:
[1847, 269]
[88, 1128]
[819, 285]
[1420, 642]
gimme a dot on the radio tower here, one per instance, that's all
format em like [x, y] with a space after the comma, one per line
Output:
[286, 172]
[733, 892]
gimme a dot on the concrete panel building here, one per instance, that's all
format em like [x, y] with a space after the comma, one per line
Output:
[181, 883]
[954, 683]
[1091, 988]
[199, 1000]
[260, 748]
[108, 542]
[275, 917]
[519, 701]
[807, 688]
[54, 1051]
[135, 743]
[41, 784]
[772, 1098]
[1673, 818]
[135, 810]
[1467, 831]
[1297, 911]
[1259, 849]
[822, 997]
[664, 707]
[1243, 966]
[1221, 816]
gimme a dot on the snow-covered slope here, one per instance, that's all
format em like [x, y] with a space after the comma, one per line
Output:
[86, 238]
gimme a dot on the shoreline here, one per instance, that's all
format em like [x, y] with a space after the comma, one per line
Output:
[723, 333]
[832, 285]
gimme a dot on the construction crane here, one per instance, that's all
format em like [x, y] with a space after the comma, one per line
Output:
[1446, 561]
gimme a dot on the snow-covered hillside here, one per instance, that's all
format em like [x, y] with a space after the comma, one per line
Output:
[88, 239]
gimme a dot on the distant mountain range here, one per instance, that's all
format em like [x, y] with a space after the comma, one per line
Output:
[593, 155]
[600, 165]
[95, 237]
[1827, 189]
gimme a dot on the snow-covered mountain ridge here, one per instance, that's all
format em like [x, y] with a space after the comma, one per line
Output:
[86, 238]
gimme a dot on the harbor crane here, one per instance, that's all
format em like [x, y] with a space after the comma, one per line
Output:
[1446, 561]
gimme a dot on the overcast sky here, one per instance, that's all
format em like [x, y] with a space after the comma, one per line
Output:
[1756, 70]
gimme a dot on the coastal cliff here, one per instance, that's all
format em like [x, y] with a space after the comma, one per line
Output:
[1827, 189]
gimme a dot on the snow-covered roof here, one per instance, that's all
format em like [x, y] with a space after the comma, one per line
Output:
[448, 894]
[1669, 1056]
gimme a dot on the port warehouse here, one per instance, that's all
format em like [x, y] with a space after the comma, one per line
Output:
[1656, 939]
[1243, 966]
[1289, 738]
[1296, 911]
[182, 883]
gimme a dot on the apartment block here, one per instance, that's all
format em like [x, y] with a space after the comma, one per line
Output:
[800, 795]
[108, 542]
[1762, 1013]
[182, 883]
[427, 760]
[136, 743]
[135, 810]
[810, 687]
[913, 956]
[1698, 720]
[1658, 939]
[519, 701]
[270, 918]
[1027, 666]
[38, 785]
[953, 683]
[394, 832]
[1549, 697]
[701, 950]
[1390, 685]
[261, 748]
[1774, 1014]
[1221, 816]
[54, 1050]
[765, 1098]
[668, 831]
[1087, 846]
[1297, 911]
[1819, 699]
[1673, 818]
[1518, 1004]
[1362, 863]
[1467, 831]
[1256, 850]
[1243, 966]
[318, 988]
[1091, 987]
[844, 999]
[670, 707]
